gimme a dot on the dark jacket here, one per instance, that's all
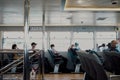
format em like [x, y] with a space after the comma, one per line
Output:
[93, 69]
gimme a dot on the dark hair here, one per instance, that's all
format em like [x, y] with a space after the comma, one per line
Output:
[52, 45]
[109, 45]
[33, 43]
[14, 46]
[103, 45]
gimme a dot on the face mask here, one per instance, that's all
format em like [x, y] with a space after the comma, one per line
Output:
[53, 47]
[117, 45]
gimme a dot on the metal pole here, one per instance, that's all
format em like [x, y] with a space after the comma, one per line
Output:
[26, 75]
[1, 77]
[43, 38]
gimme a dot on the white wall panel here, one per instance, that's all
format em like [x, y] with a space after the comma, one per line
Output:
[110, 18]
[83, 18]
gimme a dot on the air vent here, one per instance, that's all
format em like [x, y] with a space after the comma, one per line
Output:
[114, 2]
[101, 18]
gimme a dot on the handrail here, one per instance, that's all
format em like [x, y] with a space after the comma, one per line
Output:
[16, 51]
[7, 51]
[14, 63]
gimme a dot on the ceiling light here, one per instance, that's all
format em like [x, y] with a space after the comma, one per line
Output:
[79, 1]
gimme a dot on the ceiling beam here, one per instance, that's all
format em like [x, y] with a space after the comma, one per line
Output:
[75, 6]
[91, 9]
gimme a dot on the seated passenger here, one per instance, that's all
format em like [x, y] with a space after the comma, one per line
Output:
[58, 56]
[14, 46]
[34, 59]
[72, 49]
[77, 48]
[118, 45]
[33, 48]
[112, 46]
[13, 56]
[33, 45]
[74, 54]
[102, 47]
[52, 46]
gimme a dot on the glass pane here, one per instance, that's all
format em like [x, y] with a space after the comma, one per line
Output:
[13, 34]
[105, 37]
[61, 40]
[10, 38]
[18, 38]
[85, 39]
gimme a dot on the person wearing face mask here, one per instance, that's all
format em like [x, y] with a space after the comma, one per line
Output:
[73, 49]
[118, 45]
[77, 48]
[74, 54]
[56, 55]
[113, 46]
[52, 46]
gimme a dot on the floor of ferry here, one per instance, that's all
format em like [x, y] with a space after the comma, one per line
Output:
[46, 77]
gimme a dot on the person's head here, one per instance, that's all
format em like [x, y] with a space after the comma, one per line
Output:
[14, 46]
[72, 46]
[109, 45]
[33, 44]
[114, 43]
[103, 45]
[52, 46]
[76, 44]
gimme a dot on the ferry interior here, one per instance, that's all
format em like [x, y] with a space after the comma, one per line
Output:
[59, 39]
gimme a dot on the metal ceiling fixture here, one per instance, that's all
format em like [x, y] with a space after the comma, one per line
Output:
[114, 1]
[101, 18]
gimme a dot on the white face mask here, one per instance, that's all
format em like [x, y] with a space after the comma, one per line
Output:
[53, 47]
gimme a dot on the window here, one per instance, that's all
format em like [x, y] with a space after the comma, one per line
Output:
[105, 37]
[61, 40]
[37, 38]
[13, 38]
[85, 39]
[18, 38]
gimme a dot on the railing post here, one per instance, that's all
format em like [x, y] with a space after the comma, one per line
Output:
[26, 75]
[43, 37]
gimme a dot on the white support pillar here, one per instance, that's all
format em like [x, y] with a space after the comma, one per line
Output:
[94, 32]
[118, 25]
[94, 41]
[118, 35]
[71, 37]
[1, 36]
[48, 40]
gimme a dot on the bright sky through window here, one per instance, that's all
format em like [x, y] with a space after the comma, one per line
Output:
[60, 39]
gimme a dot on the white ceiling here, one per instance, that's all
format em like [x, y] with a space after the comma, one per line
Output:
[93, 3]
[12, 13]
